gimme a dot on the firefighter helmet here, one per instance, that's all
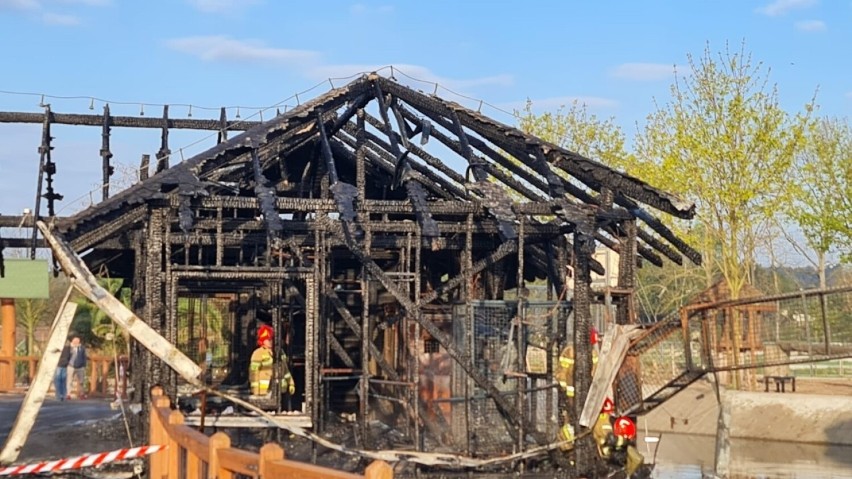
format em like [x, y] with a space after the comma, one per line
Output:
[264, 332]
[608, 406]
[624, 427]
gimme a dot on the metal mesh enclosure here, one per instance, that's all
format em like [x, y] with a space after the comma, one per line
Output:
[515, 348]
[745, 341]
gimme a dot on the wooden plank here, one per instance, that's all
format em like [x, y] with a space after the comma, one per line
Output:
[239, 461]
[613, 350]
[288, 468]
[87, 284]
[38, 389]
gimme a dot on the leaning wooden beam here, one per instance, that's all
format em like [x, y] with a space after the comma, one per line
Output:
[415, 192]
[126, 121]
[266, 197]
[616, 343]
[87, 284]
[38, 388]
[497, 255]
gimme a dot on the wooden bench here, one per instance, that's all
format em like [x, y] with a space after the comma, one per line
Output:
[780, 383]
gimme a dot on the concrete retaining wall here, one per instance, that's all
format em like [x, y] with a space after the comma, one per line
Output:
[805, 418]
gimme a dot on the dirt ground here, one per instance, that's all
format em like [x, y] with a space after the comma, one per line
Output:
[833, 387]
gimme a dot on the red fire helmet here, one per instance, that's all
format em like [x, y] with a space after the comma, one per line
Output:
[264, 332]
[624, 427]
[595, 338]
[608, 406]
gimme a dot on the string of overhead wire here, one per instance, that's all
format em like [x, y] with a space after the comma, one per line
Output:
[258, 111]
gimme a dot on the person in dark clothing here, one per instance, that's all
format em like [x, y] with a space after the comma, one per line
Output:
[77, 368]
[60, 377]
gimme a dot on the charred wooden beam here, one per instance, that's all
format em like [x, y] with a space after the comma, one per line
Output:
[144, 166]
[503, 251]
[455, 189]
[259, 135]
[657, 226]
[415, 191]
[508, 180]
[266, 198]
[164, 151]
[584, 248]
[223, 126]
[127, 121]
[344, 193]
[106, 155]
[44, 158]
[118, 225]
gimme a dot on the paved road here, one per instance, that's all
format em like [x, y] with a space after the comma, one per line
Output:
[63, 428]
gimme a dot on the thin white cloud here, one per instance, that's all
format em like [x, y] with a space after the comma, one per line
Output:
[221, 48]
[781, 7]
[643, 71]
[88, 3]
[50, 18]
[221, 6]
[811, 26]
[224, 49]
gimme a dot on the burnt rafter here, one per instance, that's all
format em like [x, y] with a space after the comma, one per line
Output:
[344, 193]
[266, 197]
[221, 154]
[415, 192]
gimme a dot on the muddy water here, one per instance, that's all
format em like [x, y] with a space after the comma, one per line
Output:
[687, 456]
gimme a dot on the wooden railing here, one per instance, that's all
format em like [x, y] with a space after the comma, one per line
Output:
[193, 455]
[98, 373]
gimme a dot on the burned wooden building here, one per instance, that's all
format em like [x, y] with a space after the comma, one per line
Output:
[397, 285]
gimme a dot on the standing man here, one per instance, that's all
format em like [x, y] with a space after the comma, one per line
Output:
[60, 377]
[77, 368]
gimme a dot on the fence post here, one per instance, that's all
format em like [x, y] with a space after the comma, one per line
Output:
[155, 434]
[378, 470]
[175, 420]
[268, 453]
[220, 440]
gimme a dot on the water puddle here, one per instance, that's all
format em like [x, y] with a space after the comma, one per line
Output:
[687, 456]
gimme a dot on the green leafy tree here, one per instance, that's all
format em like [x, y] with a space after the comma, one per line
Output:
[34, 314]
[93, 324]
[725, 142]
[823, 182]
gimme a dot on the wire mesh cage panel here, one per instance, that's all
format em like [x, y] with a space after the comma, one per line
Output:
[767, 335]
[514, 347]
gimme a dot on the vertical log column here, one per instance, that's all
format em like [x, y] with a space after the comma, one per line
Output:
[106, 155]
[628, 379]
[7, 348]
[584, 248]
[154, 283]
[467, 272]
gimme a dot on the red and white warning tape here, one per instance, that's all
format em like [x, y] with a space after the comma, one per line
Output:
[88, 460]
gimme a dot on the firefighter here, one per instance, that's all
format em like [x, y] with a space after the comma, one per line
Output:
[602, 430]
[262, 360]
[625, 452]
[565, 369]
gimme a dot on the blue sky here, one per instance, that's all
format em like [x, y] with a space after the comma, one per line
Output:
[617, 57]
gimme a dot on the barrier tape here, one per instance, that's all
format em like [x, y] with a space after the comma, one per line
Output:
[79, 462]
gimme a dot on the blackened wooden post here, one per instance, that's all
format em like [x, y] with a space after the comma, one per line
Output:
[44, 158]
[106, 155]
[164, 152]
[144, 166]
[584, 248]
[467, 267]
[366, 333]
[627, 273]
[223, 126]
[360, 157]
[520, 319]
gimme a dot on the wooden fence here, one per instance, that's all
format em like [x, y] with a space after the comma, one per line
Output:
[193, 455]
[100, 374]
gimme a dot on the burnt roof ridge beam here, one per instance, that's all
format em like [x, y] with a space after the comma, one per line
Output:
[658, 227]
[224, 151]
[416, 193]
[344, 193]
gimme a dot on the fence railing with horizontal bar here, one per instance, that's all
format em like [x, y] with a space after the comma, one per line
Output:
[193, 455]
